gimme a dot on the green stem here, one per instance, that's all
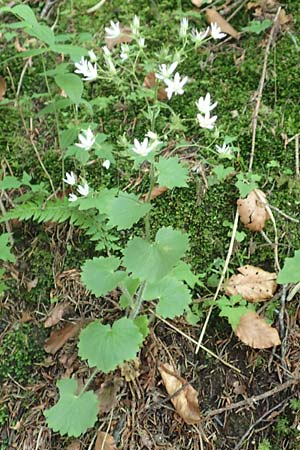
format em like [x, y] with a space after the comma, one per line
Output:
[148, 199]
[91, 377]
[138, 302]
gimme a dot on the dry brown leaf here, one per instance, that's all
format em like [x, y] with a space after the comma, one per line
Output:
[59, 337]
[107, 394]
[252, 210]
[239, 388]
[197, 3]
[212, 16]
[124, 38]
[2, 88]
[285, 19]
[156, 191]
[26, 317]
[186, 400]
[56, 314]
[130, 370]
[32, 284]
[253, 284]
[150, 82]
[74, 445]
[252, 330]
[105, 442]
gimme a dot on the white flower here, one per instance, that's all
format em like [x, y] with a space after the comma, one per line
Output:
[114, 31]
[135, 26]
[106, 50]
[175, 86]
[111, 67]
[142, 148]
[70, 178]
[72, 198]
[184, 24]
[141, 42]
[151, 135]
[204, 105]
[206, 121]
[216, 31]
[165, 71]
[199, 36]
[124, 52]
[87, 69]
[224, 150]
[106, 164]
[86, 139]
[92, 55]
[83, 190]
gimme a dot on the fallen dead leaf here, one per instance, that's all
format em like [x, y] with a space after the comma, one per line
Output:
[130, 370]
[19, 47]
[59, 337]
[105, 442]
[124, 38]
[107, 394]
[56, 314]
[252, 210]
[212, 16]
[150, 82]
[238, 388]
[183, 396]
[2, 88]
[156, 191]
[32, 284]
[74, 445]
[253, 284]
[252, 330]
[26, 317]
[197, 3]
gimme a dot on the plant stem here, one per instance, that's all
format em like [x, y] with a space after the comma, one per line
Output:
[91, 377]
[138, 302]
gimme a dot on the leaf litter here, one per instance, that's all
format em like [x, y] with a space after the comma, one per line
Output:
[212, 16]
[254, 331]
[252, 210]
[59, 337]
[105, 442]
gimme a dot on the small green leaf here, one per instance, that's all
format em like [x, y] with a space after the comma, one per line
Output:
[72, 85]
[107, 347]
[171, 172]
[142, 323]
[100, 276]
[183, 272]
[42, 32]
[5, 254]
[10, 182]
[222, 172]
[131, 285]
[291, 270]
[68, 137]
[73, 414]
[257, 26]
[246, 183]
[233, 309]
[74, 51]
[125, 210]
[152, 261]
[26, 13]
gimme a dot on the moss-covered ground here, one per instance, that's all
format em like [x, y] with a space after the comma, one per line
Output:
[231, 72]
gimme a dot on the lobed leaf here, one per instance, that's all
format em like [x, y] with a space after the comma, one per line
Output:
[100, 275]
[291, 270]
[171, 172]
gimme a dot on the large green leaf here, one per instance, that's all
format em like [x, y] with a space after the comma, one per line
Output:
[26, 13]
[291, 270]
[125, 210]
[72, 85]
[100, 276]
[73, 414]
[10, 182]
[174, 296]
[152, 261]
[106, 347]
[171, 172]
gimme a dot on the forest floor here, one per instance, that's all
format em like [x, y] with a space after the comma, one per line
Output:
[249, 399]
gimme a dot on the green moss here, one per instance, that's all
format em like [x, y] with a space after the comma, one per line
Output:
[20, 349]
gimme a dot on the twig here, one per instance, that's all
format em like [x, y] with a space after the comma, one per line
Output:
[226, 264]
[260, 89]
[195, 342]
[297, 155]
[292, 219]
[96, 7]
[281, 312]
[240, 443]
[293, 292]
[37, 446]
[253, 399]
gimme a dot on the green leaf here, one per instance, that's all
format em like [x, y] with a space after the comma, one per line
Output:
[5, 253]
[125, 210]
[183, 272]
[233, 309]
[100, 276]
[257, 26]
[74, 51]
[68, 137]
[26, 13]
[72, 85]
[174, 296]
[291, 270]
[171, 172]
[246, 183]
[222, 172]
[42, 32]
[142, 323]
[73, 414]
[152, 261]
[10, 182]
[131, 285]
[107, 347]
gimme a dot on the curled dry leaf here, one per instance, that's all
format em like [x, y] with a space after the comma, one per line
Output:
[2, 88]
[105, 442]
[149, 83]
[156, 191]
[252, 210]
[253, 284]
[59, 337]
[254, 331]
[124, 38]
[212, 16]
[183, 396]
[107, 394]
[56, 314]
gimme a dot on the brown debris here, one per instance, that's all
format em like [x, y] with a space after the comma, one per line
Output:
[124, 38]
[150, 82]
[254, 331]
[56, 314]
[252, 210]
[212, 16]
[107, 394]
[2, 88]
[105, 442]
[59, 337]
